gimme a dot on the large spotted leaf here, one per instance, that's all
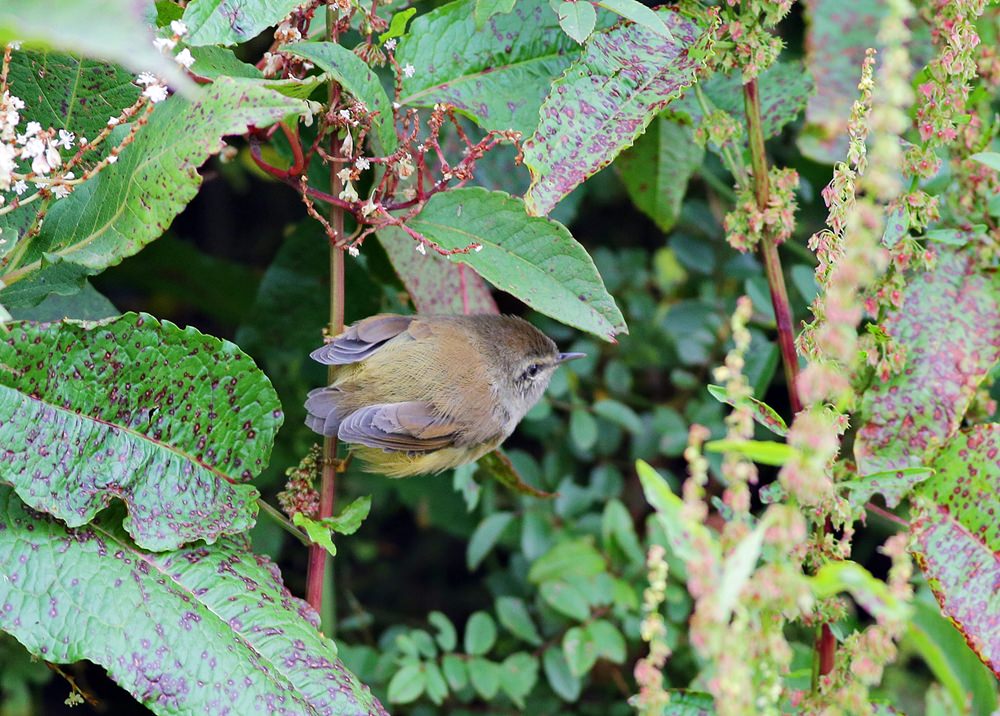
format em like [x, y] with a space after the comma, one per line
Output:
[131, 202]
[435, 284]
[170, 421]
[957, 538]
[203, 630]
[604, 100]
[949, 326]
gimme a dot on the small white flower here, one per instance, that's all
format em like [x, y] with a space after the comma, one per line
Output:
[52, 157]
[164, 44]
[362, 163]
[20, 187]
[396, 105]
[179, 28]
[390, 44]
[15, 102]
[344, 174]
[404, 168]
[347, 146]
[368, 207]
[353, 251]
[421, 250]
[34, 147]
[112, 158]
[65, 139]
[184, 58]
[145, 79]
[8, 163]
[61, 191]
[39, 166]
[409, 70]
[349, 193]
[113, 121]
[479, 247]
[345, 114]
[156, 93]
[14, 44]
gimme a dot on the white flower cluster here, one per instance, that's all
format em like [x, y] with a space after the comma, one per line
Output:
[153, 86]
[40, 147]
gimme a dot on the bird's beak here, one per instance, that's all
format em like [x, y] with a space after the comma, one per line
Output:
[563, 357]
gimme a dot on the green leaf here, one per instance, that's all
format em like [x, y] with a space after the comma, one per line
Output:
[196, 422]
[519, 674]
[566, 598]
[570, 558]
[577, 18]
[737, 567]
[949, 326]
[533, 258]
[397, 26]
[407, 684]
[480, 633]
[582, 429]
[560, 678]
[608, 640]
[485, 9]
[513, 615]
[356, 77]
[688, 539]
[346, 523]
[423, 643]
[617, 528]
[766, 452]
[957, 536]
[957, 237]
[485, 537]
[135, 612]
[689, 703]
[950, 659]
[871, 593]
[85, 305]
[317, 533]
[989, 159]
[656, 169]
[131, 202]
[218, 22]
[454, 671]
[619, 414]
[894, 485]
[498, 466]
[447, 639]
[437, 689]
[85, 29]
[603, 101]
[579, 650]
[639, 14]
[497, 77]
[993, 205]
[484, 676]
[762, 413]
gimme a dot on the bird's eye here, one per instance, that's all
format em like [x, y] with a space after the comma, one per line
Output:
[533, 370]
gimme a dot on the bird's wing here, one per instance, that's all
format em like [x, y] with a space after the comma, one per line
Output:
[362, 339]
[402, 427]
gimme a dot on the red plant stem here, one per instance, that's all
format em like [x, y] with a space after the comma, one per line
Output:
[769, 247]
[318, 557]
[826, 644]
[298, 165]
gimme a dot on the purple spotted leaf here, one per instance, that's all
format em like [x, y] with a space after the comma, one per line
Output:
[172, 422]
[131, 202]
[221, 22]
[785, 87]
[435, 284]
[497, 76]
[949, 325]
[604, 101]
[533, 258]
[761, 412]
[897, 225]
[893, 485]
[957, 537]
[202, 630]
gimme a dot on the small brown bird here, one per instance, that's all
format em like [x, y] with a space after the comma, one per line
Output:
[421, 394]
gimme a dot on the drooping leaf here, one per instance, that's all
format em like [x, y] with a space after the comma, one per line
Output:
[958, 536]
[533, 258]
[435, 284]
[656, 169]
[131, 202]
[603, 102]
[244, 646]
[949, 325]
[172, 422]
[762, 413]
[497, 77]
[355, 77]
[498, 466]
[219, 22]
[87, 29]
[577, 19]
[784, 89]
[894, 485]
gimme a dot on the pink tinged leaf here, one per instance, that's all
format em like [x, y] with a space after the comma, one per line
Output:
[949, 325]
[435, 284]
[604, 101]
